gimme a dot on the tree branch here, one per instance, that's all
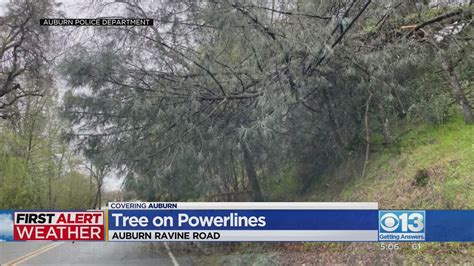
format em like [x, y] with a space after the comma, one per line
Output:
[440, 18]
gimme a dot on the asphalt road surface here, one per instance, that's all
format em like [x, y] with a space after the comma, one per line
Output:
[88, 253]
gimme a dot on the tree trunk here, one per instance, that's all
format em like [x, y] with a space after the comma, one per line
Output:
[98, 196]
[96, 199]
[367, 134]
[99, 178]
[385, 124]
[456, 88]
[50, 191]
[90, 186]
[339, 139]
[251, 174]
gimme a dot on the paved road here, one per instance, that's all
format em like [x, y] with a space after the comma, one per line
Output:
[88, 253]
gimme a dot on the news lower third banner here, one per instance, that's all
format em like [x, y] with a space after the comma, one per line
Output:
[244, 221]
[239, 221]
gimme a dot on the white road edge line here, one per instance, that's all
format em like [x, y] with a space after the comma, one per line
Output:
[33, 253]
[170, 254]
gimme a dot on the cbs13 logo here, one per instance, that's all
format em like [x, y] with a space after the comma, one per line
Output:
[402, 221]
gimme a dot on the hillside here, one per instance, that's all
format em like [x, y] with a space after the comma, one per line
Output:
[430, 167]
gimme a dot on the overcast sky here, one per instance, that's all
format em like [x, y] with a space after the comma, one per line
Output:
[81, 9]
[78, 9]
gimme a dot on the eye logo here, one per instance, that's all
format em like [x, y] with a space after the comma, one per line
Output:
[399, 225]
[389, 222]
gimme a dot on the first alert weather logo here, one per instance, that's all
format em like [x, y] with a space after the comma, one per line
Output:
[402, 226]
[53, 225]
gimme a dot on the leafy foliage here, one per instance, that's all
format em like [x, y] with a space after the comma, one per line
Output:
[227, 93]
